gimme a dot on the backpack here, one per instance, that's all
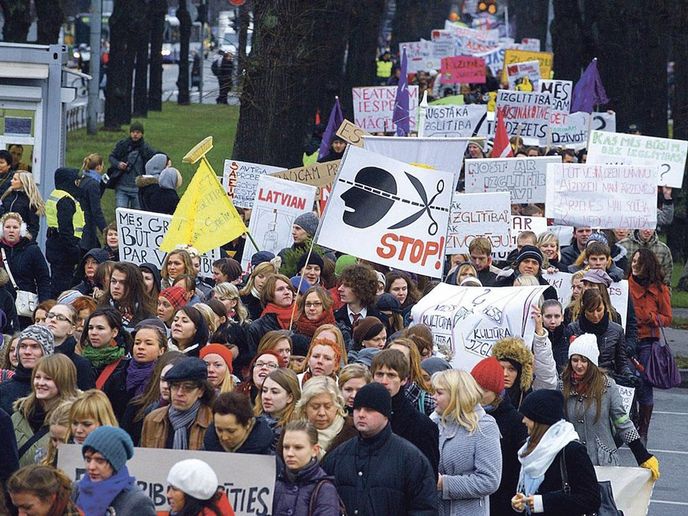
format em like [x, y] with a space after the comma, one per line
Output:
[314, 497]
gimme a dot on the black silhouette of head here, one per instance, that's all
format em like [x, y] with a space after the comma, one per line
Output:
[366, 208]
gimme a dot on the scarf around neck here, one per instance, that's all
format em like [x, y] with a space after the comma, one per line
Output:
[181, 421]
[326, 436]
[138, 375]
[283, 314]
[307, 327]
[535, 465]
[100, 357]
[597, 328]
[95, 497]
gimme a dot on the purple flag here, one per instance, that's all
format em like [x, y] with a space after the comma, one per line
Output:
[401, 103]
[333, 123]
[589, 90]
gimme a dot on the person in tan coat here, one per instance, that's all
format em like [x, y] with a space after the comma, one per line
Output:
[183, 423]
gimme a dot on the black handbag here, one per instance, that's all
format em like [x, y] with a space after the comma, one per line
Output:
[112, 177]
[607, 503]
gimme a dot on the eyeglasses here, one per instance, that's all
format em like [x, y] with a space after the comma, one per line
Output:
[59, 317]
[314, 304]
[184, 387]
[269, 365]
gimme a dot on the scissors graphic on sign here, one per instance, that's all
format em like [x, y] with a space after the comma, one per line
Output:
[426, 205]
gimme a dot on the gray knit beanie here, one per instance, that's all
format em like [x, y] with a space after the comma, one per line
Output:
[308, 222]
[40, 334]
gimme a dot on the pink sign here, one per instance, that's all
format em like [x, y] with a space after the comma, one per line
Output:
[463, 70]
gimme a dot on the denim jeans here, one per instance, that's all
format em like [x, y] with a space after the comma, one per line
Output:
[127, 199]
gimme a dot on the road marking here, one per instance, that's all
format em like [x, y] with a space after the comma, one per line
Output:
[676, 452]
[668, 502]
[670, 413]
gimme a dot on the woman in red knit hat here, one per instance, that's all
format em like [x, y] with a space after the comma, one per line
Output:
[218, 358]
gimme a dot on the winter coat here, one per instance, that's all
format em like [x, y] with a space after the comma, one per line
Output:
[584, 497]
[470, 465]
[544, 367]
[416, 428]
[89, 198]
[128, 501]
[166, 202]
[661, 250]
[611, 343]
[383, 475]
[568, 256]
[18, 202]
[136, 155]
[85, 375]
[149, 190]
[8, 448]
[81, 283]
[652, 306]
[8, 306]
[28, 267]
[258, 442]
[264, 324]
[513, 433]
[347, 432]
[23, 432]
[115, 387]
[294, 497]
[16, 387]
[157, 430]
[253, 306]
[342, 317]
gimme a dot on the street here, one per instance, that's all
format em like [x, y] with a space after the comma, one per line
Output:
[169, 84]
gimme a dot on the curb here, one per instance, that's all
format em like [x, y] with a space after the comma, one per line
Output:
[684, 378]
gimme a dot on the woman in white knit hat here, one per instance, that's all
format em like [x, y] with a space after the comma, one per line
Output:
[594, 406]
[192, 490]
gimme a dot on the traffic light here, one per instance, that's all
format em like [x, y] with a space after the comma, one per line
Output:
[487, 6]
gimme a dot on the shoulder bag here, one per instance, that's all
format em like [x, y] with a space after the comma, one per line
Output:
[26, 302]
[661, 370]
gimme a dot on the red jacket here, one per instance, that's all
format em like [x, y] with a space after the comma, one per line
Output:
[222, 504]
[652, 304]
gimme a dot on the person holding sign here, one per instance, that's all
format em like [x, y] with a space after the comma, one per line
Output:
[594, 407]
[528, 262]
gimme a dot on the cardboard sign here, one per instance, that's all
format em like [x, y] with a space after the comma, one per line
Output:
[560, 94]
[524, 76]
[669, 156]
[519, 224]
[467, 321]
[140, 234]
[618, 295]
[524, 178]
[451, 120]
[278, 202]
[602, 196]
[626, 394]
[463, 70]
[390, 212]
[317, 174]
[561, 281]
[571, 130]
[479, 215]
[532, 44]
[419, 55]
[240, 179]
[545, 59]
[248, 480]
[374, 105]
[525, 114]
[351, 133]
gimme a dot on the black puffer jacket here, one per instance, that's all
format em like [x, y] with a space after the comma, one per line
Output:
[416, 428]
[85, 374]
[611, 342]
[258, 442]
[16, 387]
[89, 198]
[18, 202]
[29, 268]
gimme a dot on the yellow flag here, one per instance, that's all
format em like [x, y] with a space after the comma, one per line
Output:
[205, 218]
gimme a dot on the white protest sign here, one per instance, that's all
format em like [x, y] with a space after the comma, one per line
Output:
[667, 155]
[564, 234]
[525, 114]
[248, 480]
[467, 321]
[561, 281]
[524, 178]
[451, 120]
[240, 180]
[517, 73]
[140, 233]
[632, 488]
[570, 130]
[626, 394]
[604, 122]
[560, 94]
[387, 211]
[418, 55]
[479, 215]
[278, 202]
[618, 295]
[519, 224]
[532, 44]
[494, 60]
[602, 196]
[374, 106]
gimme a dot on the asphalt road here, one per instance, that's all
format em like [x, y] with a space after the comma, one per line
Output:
[169, 84]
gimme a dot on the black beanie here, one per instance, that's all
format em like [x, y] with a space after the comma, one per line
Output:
[544, 406]
[529, 251]
[374, 396]
[314, 259]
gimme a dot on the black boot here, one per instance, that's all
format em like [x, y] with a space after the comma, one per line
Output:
[645, 416]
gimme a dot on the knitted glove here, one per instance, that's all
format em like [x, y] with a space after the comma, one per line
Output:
[653, 465]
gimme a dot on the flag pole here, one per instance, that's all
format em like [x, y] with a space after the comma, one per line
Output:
[298, 288]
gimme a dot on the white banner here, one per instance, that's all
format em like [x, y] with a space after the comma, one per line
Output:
[240, 180]
[479, 215]
[517, 73]
[626, 394]
[618, 295]
[494, 60]
[519, 224]
[524, 178]
[669, 156]
[559, 92]
[248, 480]
[525, 114]
[467, 321]
[278, 202]
[140, 233]
[425, 55]
[374, 105]
[388, 212]
[602, 196]
[632, 488]
[451, 120]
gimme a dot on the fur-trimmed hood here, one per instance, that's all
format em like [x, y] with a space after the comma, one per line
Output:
[513, 348]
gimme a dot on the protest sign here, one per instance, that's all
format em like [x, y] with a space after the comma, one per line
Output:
[319, 175]
[604, 121]
[467, 321]
[248, 480]
[140, 234]
[632, 487]
[559, 92]
[524, 178]
[532, 44]
[545, 60]
[668, 155]
[462, 70]
[564, 234]
[390, 212]
[561, 281]
[602, 196]
[452, 120]
[571, 130]
[494, 60]
[525, 114]
[618, 295]
[524, 76]
[240, 179]
[278, 202]
[437, 153]
[374, 105]
[626, 394]
[418, 55]
[519, 224]
[479, 215]
[351, 133]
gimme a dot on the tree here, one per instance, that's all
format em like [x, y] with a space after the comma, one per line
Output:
[140, 43]
[17, 15]
[50, 15]
[120, 66]
[157, 11]
[414, 20]
[529, 17]
[184, 17]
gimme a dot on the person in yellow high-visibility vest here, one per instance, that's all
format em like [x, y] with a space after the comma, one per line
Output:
[65, 220]
[384, 68]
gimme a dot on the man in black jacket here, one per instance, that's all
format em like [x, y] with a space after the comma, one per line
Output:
[378, 473]
[128, 160]
[357, 290]
[89, 198]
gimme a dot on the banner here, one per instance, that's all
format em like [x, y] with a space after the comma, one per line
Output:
[494, 60]
[669, 156]
[524, 178]
[559, 94]
[319, 175]
[545, 60]
[626, 394]
[524, 76]
[351, 133]
[140, 234]
[632, 488]
[463, 70]
[479, 215]
[240, 179]
[532, 44]
[248, 480]
[390, 212]
[618, 295]
[374, 105]
[519, 224]
[418, 53]
[602, 196]
[525, 114]
[278, 202]
[561, 281]
[452, 120]
[467, 321]
[438, 153]
[571, 130]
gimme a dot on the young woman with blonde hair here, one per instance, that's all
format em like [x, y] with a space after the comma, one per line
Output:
[89, 411]
[177, 263]
[58, 422]
[250, 294]
[278, 397]
[24, 198]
